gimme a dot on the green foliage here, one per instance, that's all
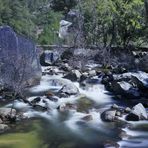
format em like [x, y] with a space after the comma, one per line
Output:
[106, 22]
[16, 15]
[51, 27]
[63, 5]
[113, 22]
[28, 16]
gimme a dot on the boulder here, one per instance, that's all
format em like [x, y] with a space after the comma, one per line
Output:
[129, 85]
[124, 89]
[132, 117]
[118, 113]
[141, 83]
[19, 59]
[74, 75]
[5, 112]
[62, 107]
[115, 106]
[108, 115]
[127, 110]
[92, 73]
[48, 58]
[69, 90]
[137, 113]
[3, 127]
[65, 86]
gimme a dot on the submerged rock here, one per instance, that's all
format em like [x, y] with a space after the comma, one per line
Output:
[87, 118]
[19, 59]
[53, 98]
[84, 104]
[36, 100]
[40, 108]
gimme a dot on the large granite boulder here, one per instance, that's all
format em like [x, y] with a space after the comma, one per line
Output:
[19, 62]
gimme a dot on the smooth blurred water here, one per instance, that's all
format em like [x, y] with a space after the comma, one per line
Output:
[68, 130]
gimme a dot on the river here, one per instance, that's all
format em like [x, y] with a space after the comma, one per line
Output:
[54, 129]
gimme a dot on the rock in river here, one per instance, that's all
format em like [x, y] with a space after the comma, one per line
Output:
[66, 86]
[108, 115]
[4, 112]
[87, 118]
[137, 113]
[74, 75]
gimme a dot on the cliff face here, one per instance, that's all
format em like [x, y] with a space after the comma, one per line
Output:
[19, 62]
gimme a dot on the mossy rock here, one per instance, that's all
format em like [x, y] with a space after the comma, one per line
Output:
[29, 139]
[84, 104]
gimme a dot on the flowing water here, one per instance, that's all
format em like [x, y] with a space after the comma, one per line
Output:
[54, 129]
